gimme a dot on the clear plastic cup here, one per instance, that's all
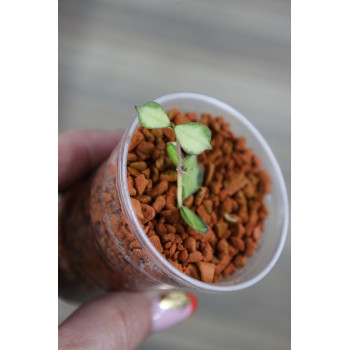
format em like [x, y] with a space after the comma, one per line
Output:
[103, 246]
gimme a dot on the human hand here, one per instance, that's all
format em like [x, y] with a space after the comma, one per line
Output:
[116, 320]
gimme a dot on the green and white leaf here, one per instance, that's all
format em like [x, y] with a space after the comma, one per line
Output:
[172, 151]
[152, 116]
[194, 138]
[192, 179]
[193, 220]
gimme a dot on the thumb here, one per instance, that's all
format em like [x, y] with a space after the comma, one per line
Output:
[123, 320]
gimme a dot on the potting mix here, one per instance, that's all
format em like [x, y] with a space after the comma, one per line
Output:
[230, 201]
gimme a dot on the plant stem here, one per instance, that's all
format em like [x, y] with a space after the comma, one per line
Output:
[179, 175]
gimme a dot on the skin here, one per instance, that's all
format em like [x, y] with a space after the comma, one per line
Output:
[116, 320]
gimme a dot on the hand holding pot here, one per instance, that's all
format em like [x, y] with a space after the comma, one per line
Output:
[115, 320]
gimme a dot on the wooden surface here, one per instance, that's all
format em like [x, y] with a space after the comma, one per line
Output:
[115, 54]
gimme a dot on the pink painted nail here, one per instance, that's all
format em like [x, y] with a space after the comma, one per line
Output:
[171, 309]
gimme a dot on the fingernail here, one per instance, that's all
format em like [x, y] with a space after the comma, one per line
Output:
[171, 309]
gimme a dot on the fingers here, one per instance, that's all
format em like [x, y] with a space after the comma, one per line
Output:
[123, 320]
[79, 151]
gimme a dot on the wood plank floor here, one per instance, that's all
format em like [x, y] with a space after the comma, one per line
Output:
[115, 54]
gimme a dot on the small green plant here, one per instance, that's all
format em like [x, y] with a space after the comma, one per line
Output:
[193, 138]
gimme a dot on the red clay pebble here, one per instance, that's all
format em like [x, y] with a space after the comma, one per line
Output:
[146, 172]
[222, 263]
[200, 196]
[169, 175]
[193, 232]
[172, 250]
[265, 180]
[173, 216]
[168, 237]
[253, 220]
[144, 199]
[159, 189]
[156, 242]
[189, 201]
[183, 256]
[222, 246]
[257, 233]
[137, 207]
[234, 182]
[148, 212]
[240, 144]
[132, 157]
[159, 203]
[263, 212]
[203, 214]
[148, 135]
[220, 228]
[134, 245]
[207, 253]
[209, 174]
[250, 247]
[135, 140]
[256, 160]
[161, 229]
[181, 119]
[240, 261]
[178, 238]
[194, 257]
[238, 243]
[138, 165]
[157, 133]
[190, 244]
[217, 277]
[192, 116]
[241, 230]
[131, 187]
[145, 147]
[214, 218]
[167, 245]
[169, 133]
[206, 271]
[170, 201]
[170, 228]
[232, 251]
[141, 183]
[226, 206]
[208, 205]
[223, 194]
[192, 271]
[229, 269]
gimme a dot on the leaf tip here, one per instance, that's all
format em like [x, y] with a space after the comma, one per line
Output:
[194, 220]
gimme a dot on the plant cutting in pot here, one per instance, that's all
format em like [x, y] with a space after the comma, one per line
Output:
[135, 224]
[231, 203]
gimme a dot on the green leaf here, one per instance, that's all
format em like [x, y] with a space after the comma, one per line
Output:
[152, 116]
[194, 220]
[192, 179]
[172, 151]
[194, 138]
